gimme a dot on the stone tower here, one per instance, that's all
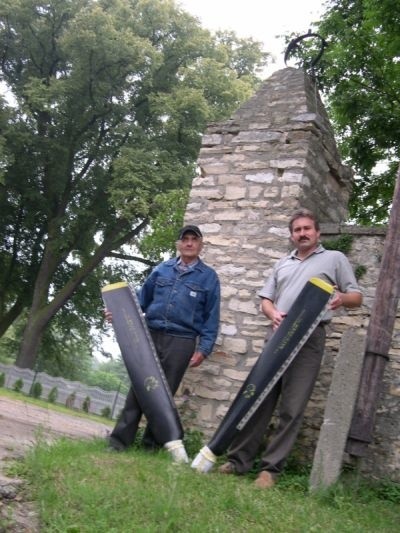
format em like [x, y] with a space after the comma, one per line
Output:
[276, 154]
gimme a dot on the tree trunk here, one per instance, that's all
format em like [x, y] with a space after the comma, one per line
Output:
[12, 314]
[38, 314]
[31, 340]
[42, 312]
[379, 335]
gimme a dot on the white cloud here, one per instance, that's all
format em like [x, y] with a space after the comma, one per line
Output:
[262, 20]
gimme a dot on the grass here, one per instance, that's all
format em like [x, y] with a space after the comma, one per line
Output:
[81, 487]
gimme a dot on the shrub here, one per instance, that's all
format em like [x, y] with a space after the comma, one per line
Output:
[36, 390]
[18, 385]
[2, 379]
[387, 490]
[53, 395]
[359, 271]
[106, 412]
[342, 243]
[86, 404]
[193, 441]
[70, 401]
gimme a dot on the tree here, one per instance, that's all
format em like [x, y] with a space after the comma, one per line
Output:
[359, 75]
[65, 351]
[109, 375]
[359, 78]
[108, 102]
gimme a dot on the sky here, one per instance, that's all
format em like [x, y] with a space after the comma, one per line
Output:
[263, 20]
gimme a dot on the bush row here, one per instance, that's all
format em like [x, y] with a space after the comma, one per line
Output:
[37, 390]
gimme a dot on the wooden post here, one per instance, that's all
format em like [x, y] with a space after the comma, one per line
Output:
[379, 335]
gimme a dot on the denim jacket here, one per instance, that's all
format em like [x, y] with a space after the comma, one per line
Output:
[185, 304]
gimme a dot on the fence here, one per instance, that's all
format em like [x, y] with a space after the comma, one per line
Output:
[70, 393]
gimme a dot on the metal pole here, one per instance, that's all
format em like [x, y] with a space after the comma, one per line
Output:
[115, 400]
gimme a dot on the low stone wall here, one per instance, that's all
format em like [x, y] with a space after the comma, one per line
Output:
[383, 459]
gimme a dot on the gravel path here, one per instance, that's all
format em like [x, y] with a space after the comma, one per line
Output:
[21, 424]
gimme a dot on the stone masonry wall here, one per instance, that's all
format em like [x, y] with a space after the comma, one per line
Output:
[276, 154]
[383, 459]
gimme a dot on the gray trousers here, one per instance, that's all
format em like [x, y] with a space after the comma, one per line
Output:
[294, 390]
[174, 354]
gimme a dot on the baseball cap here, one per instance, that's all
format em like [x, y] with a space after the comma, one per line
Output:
[189, 229]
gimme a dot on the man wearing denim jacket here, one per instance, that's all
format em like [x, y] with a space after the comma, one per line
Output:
[181, 301]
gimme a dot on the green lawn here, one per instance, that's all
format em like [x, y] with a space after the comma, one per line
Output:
[82, 487]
